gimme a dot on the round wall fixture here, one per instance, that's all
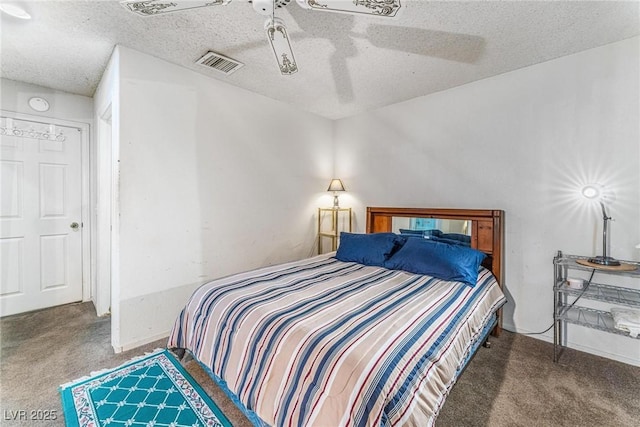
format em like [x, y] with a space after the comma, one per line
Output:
[39, 104]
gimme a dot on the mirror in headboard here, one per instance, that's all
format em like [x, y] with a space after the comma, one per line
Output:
[483, 227]
[454, 231]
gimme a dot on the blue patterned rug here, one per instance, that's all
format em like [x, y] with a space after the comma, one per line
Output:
[150, 391]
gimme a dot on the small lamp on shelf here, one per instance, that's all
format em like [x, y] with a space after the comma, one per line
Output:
[594, 192]
[336, 185]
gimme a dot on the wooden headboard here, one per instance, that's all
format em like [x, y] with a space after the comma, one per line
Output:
[487, 230]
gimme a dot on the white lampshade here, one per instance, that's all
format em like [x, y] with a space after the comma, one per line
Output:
[336, 185]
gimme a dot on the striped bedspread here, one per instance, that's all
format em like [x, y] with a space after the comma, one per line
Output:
[320, 342]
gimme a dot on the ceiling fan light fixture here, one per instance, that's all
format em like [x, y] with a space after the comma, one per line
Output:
[279, 40]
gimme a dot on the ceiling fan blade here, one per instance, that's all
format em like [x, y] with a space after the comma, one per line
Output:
[158, 7]
[387, 8]
[279, 40]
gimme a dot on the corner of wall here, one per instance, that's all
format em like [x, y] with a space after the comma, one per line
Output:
[107, 103]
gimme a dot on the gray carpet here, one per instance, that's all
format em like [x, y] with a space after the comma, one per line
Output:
[514, 383]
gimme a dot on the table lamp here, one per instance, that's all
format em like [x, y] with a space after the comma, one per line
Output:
[336, 185]
[594, 192]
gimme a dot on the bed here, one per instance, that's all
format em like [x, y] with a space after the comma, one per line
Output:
[353, 338]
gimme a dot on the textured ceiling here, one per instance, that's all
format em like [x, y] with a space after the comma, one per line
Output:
[348, 64]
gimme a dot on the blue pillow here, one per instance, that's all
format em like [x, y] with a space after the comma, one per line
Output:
[437, 259]
[368, 249]
[450, 241]
[433, 232]
[459, 237]
[411, 233]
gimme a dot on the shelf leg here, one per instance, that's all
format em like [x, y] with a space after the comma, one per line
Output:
[557, 276]
[319, 236]
[334, 243]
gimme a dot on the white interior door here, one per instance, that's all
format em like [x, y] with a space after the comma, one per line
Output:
[40, 216]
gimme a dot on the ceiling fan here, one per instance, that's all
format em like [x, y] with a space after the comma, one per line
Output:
[274, 27]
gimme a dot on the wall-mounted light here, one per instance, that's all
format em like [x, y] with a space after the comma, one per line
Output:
[596, 193]
[39, 104]
[336, 185]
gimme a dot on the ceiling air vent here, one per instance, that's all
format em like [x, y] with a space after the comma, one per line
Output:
[220, 63]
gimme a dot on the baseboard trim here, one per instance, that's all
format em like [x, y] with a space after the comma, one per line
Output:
[139, 343]
[548, 337]
[607, 355]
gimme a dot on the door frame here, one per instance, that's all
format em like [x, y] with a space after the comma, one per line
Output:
[85, 166]
[103, 201]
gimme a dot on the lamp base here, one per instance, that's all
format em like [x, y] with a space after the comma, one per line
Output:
[604, 260]
[336, 203]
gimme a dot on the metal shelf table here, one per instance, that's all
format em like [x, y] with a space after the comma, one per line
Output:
[565, 312]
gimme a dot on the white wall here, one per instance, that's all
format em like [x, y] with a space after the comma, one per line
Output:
[213, 180]
[525, 142]
[14, 96]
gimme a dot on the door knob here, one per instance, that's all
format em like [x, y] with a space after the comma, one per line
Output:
[74, 225]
